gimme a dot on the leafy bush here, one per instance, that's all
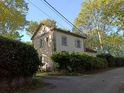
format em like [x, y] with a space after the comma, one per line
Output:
[77, 62]
[17, 59]
[60, 59]
[119, 61]
[108, 57]
[99, 63]
[81, 62]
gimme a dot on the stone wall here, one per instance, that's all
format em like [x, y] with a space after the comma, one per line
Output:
[45, 51]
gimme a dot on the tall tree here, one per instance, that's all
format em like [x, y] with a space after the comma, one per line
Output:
[49, 22]
[12, 17]
[32, 26]
[100, 19]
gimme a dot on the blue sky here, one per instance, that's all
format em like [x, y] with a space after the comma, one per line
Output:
[69, 8]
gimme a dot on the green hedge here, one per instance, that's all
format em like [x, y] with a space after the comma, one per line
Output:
[108, 57]
[17, 59]
[77, 62]
[119, 61]
[111, 60]
[60, 59]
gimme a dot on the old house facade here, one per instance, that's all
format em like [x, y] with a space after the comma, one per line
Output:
[47, 40]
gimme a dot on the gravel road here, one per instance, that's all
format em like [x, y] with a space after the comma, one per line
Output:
[106, 82]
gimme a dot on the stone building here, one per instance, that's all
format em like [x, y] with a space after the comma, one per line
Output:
[47, 40]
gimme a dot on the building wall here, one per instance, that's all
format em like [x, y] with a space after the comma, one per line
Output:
[53, 44]
[47, 49]
[70, 43]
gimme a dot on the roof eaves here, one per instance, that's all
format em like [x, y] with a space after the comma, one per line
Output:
[68, 32]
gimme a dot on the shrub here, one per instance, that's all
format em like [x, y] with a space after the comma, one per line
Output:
[60, 59]
[108, 57]
[77, 62]
[17, 59]
[99, 63]
[81, 62]
[119, 61]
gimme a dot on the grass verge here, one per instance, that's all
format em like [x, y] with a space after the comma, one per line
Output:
[73, 73]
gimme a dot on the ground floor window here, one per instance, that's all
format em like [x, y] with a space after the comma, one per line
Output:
[42, 59]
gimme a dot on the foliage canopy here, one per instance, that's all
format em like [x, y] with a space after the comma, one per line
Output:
[103, 22]
[12, 17]
[17, 59]
[32, 26]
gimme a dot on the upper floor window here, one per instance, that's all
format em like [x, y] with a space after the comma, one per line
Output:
[64, 40]
[78, 43]
[41, 43]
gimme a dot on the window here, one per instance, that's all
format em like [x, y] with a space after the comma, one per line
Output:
[63, 51]
[78, 43]
[41, 43]
[64, 41]
[42, 59]
[47, 39]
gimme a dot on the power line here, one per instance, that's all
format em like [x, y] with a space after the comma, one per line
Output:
[57, 13]
[42, 11]
[60, 14]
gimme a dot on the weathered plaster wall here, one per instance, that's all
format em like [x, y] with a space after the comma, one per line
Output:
[47, 49]
[70, 43]
[53, 44]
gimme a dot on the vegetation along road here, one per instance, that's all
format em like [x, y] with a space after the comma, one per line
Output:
[106, 82]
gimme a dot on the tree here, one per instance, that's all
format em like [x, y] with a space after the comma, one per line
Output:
[32, 26]
[14, 35]
[100, 19]
[114, 44]
[49, 22]
[12, 17]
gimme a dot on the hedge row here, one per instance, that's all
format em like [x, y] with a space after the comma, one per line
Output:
[77, 62]
[17, 59]
[111, 60]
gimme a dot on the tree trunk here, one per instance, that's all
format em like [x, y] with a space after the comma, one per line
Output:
[100, 40]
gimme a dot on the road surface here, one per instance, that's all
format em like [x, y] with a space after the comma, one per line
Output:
[106, 82]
